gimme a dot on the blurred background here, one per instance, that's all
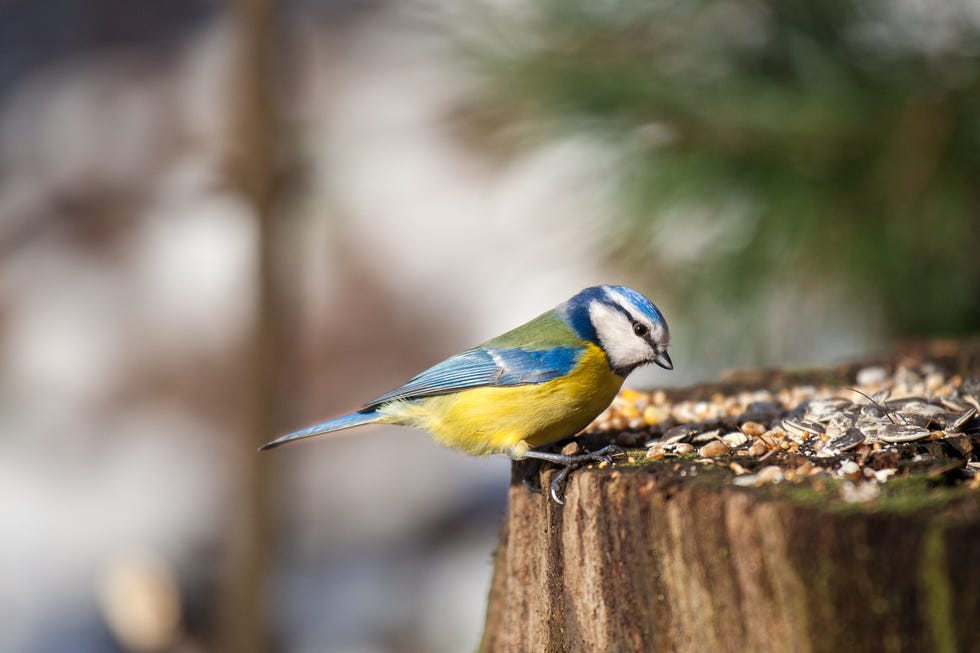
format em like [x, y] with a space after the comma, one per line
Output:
[223, 221]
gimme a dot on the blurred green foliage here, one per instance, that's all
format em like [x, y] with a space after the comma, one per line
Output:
[837, 142]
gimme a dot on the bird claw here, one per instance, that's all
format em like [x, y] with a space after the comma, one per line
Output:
[570, 464]
[558, 485]
[530, 480]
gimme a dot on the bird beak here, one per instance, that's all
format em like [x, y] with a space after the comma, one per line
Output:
[661, 358]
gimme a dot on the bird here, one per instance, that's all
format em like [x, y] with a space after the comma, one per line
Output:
[530, 387]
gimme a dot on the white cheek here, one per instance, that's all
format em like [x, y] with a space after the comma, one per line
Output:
[615, 332]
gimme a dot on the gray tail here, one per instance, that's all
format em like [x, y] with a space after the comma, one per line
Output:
[345, 422]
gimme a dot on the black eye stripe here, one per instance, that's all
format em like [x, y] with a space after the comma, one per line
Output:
[640, 329]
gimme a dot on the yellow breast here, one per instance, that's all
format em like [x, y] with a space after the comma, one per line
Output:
[511, 419]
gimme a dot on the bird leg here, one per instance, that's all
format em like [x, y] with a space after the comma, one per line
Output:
[569, 464]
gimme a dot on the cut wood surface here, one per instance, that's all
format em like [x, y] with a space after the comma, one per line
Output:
[671, 555]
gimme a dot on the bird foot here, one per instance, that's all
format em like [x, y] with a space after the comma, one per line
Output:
[569, 464]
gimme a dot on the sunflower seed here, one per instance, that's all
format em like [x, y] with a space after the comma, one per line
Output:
[800, 427]
[678, 434]
[902, 433]
[916, 419]
[961, 420]
[821, 410]
[839, 423]
[881, 397]
[902, 403]
[848, 441]
[923, 408]
[870, 428]
[707, 436]
[871, 410]
[953, 404]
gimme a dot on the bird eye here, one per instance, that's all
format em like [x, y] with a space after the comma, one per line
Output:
[640, 329]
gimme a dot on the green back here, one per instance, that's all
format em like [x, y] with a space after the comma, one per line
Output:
[546, 330]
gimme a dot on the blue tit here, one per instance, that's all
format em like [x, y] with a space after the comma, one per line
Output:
[537, 384]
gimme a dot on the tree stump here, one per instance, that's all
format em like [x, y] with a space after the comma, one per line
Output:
[672, 555]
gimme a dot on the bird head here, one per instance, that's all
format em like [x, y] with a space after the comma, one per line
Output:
[628, 327]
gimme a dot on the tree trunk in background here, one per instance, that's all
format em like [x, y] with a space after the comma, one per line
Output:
[640, 559]
[252, 157]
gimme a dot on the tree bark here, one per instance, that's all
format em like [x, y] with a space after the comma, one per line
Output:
[653, 558]
[254, 170]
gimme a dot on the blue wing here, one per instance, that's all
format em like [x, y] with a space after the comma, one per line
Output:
[486, 367]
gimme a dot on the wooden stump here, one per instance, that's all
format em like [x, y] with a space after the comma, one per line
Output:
[670, 555]
[641, 560]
